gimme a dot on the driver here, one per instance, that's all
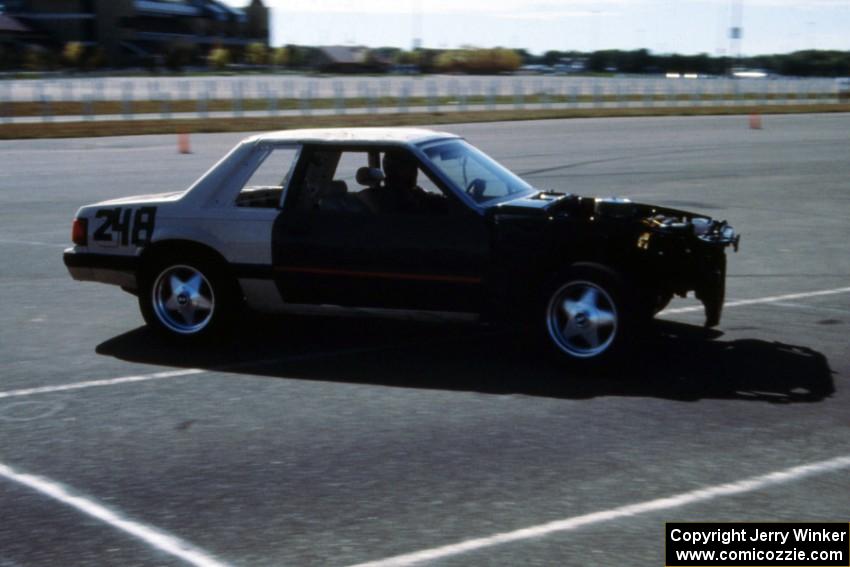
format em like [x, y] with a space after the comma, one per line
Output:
[401, 172]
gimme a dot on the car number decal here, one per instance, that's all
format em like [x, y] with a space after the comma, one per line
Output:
[129, 227]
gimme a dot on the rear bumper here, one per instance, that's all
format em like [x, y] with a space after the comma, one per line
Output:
[104, 268]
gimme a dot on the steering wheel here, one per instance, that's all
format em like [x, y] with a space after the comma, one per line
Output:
[476, 188]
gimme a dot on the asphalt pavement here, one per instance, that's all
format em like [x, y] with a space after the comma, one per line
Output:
[336, 441]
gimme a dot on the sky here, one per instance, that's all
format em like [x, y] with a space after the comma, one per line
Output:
[662, 26]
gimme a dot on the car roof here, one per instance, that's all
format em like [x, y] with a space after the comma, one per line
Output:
[354, 135]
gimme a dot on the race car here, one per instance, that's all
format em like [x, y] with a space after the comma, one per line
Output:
[398, 219]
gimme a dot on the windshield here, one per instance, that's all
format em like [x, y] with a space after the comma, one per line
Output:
[472, 171]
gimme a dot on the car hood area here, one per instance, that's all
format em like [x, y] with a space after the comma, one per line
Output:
[550, 204]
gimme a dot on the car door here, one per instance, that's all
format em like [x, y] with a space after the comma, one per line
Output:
[332, 245]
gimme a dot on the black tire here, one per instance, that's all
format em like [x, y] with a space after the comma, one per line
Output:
[587, 318]
[187, 297]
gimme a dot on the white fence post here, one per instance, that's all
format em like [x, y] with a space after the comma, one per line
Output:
[68, 90]
[431, 89]
[304, 102]
[165, 104]
[492, 94]
[339, 96]
[404, 96]
[203, 105]
[126, 100]
[5, 104]
[519, 94]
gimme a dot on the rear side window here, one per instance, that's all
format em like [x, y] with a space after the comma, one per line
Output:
[265, 186]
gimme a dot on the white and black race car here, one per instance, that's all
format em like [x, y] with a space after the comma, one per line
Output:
[397, 219]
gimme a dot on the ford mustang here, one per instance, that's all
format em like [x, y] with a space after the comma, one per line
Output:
[398, 219]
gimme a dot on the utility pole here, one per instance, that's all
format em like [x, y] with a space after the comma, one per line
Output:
[417, 24]
[736, 30]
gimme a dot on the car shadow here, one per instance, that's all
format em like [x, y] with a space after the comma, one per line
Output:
[674, 361]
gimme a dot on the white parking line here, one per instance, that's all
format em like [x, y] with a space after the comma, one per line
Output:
[180, 373]
[770, 299]
[194, 371]
[96, 383]
[154, 537]
[684, 499]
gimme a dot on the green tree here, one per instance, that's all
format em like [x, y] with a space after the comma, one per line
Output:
[408, 57]
[257, 54]
[219, 58]
[281, 57]
[478, 60]
[73, 53]
[36, 59]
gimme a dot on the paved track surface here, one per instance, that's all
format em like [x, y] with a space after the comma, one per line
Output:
[339, 441]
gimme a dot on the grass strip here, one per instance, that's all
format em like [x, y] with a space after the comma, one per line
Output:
[107, 107]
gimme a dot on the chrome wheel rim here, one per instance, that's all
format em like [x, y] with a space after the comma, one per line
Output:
[582, 319]
[183, 299]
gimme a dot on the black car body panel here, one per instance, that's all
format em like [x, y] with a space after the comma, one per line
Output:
[663, 251]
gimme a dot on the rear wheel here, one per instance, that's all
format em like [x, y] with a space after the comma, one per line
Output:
[587, 317]
[187, 298]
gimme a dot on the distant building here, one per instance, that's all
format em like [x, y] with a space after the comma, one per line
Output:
[346, 59]
[129, 30]
[12, 30]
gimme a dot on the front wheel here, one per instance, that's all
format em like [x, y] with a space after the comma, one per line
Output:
[186, 299]
[587, 319]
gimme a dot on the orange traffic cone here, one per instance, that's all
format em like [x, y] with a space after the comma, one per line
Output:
[755, 121]
[183, 144]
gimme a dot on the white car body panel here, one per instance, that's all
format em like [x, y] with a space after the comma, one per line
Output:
[206, 212]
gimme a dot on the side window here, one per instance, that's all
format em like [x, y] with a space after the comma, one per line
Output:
[330, 182]
[429, 187]
[411, 190]
[367, 182]
[265, 186]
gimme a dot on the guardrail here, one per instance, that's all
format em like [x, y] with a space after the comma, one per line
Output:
[151, 98]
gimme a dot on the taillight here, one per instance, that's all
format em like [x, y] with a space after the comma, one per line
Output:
[80, 232]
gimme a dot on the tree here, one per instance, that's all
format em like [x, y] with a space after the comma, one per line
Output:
[408, 58]
[479, 61]
[37, 59]
[281, 57]
[73, 53]
[219, 58]
[257, 54]
[298, 56]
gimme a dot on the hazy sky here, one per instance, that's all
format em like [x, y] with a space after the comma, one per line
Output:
[684, 26]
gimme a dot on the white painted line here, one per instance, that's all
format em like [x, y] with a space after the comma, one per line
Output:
[96, 383]
[154, 537]
[771, 299]
[194, 371]
[684, 499]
